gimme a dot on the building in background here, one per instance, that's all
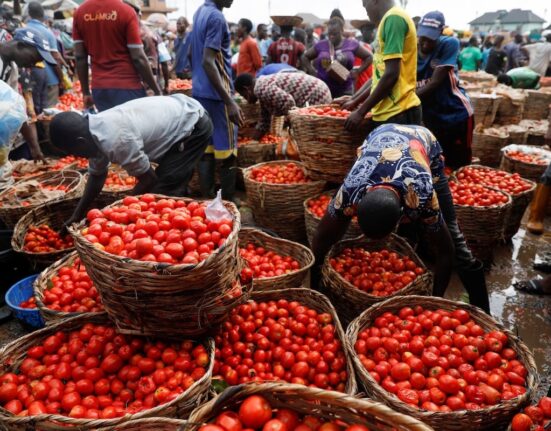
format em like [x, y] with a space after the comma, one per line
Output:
[519, 20]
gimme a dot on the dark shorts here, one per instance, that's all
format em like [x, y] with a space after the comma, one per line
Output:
[224, 137]
[456, 141]
[411, 116]
[106, 98]
[39, 82]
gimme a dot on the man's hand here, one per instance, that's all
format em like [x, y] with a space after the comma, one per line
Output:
[350, 105]
[353, 121]
[342, 100]
[37, 155]
[235, 114]
[88, 101]
[65, 228]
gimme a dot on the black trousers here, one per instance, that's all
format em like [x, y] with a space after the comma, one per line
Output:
[411, 116]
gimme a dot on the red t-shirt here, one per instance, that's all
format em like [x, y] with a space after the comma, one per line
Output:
[367, 73]
[107, 28]
[286, 51]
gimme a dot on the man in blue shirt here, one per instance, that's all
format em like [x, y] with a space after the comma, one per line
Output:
[181, 49]
[213, 87]
[263, 40]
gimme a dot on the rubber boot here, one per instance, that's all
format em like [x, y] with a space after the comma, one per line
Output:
[538, 209]
[474, 281]
[206, 167]
[228, 176]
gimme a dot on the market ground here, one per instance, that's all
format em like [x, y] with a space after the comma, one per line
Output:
[529, 316]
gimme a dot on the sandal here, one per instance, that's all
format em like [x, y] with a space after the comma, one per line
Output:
[543, 263]
[532, 287]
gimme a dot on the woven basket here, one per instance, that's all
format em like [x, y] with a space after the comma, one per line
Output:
[150, 424]
[517, 134]
[149, 298]
[42, 283]
[485, 108]
[22, 169]
[312, 221]
[279, 207]
[302, 254]
[528, 171]
[53, 214]
[319, 302]
[118, 192]
[493, 418]
[251, 113]
[11, 214]
[12, 354]
[480, 77]
[325, 405]
[510, 109]
[352, 301]
[487, 147]
[276, 125]
[537, 105]
[254, 153]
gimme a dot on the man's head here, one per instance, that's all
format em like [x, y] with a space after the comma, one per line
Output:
[262, 31]
[35, 11]
[276, 32]
[376, 9]
[221, 4]
[505, 79]
[244, 85]
[368, 32]
[309, 30]
[335, 30]
[498, 41]
[286, 31]
[518, 38]
[182, 25]
[69, 131]
[473, 41]
[379, 212]
[429, 30]
[244, 27]
[30, 48]
[300, 35]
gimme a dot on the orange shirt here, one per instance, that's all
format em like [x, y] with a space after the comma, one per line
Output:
[249, 60]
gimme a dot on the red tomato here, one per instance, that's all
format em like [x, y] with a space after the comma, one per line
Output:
[255, 411]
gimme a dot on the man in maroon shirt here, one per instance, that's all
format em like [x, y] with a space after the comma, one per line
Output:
[286, 50]
[109, 32]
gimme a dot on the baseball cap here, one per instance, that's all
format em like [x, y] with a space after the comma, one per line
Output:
[34, 37]
[431, 25]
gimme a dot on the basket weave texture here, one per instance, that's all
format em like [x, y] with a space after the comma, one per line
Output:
[495, 417]
[254, 153]
[353, 301]
[487, 147]
[325, 405]
[537, 105]
[485, 108]
[150, 298]
[12, 355]
[150, 424]
[302, 254]
[511, 109]
[529, 171]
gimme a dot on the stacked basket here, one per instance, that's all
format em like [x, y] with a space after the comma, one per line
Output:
[487, 144]
[530, 171]
[485, 107]
[511, 108]
[537, 105]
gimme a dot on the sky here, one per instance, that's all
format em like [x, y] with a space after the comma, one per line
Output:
[457, 12]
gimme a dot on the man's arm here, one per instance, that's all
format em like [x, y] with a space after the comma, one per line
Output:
[441, 241]
[144, 69]
[81, 57]
[306, 61]
[145, 182]
[29, 134]
[255, 55]
[365, 56]
[166, 74]
[439, 77]
[93, 188]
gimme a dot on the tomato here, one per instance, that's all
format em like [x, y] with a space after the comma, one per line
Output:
[255, 411]
[8, 392]
[289, 418]
[280, 173]
[43, 239]
[229, 421]
[211, 427]
[521, 422]
[261, 264]
[274, 425]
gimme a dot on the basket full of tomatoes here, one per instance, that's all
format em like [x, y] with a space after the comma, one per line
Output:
[536, 417]
[274, 263]
[113, 378]
[162, 266]
[118, 183]
[520, 189]
[276, 192]
[361, 272]
[445, 363]
[283, 406]
[252, 152]
[528, 161]
[182, 86]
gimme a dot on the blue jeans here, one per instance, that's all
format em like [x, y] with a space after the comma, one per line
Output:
[106, 98]
[39, 82]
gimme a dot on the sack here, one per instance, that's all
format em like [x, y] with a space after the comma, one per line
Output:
[336, 71]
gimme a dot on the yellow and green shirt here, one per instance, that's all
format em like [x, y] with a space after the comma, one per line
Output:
[397, 38]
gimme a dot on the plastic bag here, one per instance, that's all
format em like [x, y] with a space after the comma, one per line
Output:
[216, 211]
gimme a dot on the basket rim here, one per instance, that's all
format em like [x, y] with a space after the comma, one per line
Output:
[16, 306]
[532, 184]
[247, 170]
[480, 208]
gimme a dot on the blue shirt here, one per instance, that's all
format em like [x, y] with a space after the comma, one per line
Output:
[210, 30]
[181, 48]
[263, 46]
[273, 68]
[408, 158]
[52, 41]
[448, 104]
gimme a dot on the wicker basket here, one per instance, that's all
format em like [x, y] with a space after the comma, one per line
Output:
[10, 214]
[150, 424]
[487, 147]
[485, 107]
[319, 302]
[149, 298]
[352, 301]
[118, 192]
[302, 254]
[251, 113]
[276, 125]
[312, 221]
[511, 108]
[42, 283]
[325, 405]
[529, 171]
[537, 105]
[279, 207]
[493, 417]
[53, 214]
[254, 153]
[12, 354]
[23, 169]
[517, 134]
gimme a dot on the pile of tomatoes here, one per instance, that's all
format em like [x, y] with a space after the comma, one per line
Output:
[379, 273]
[501, 180]
[476, 195]
[29, 303]
[82, 162]
[440, 360]
[533, 159]
[256, 413]
[318, 206]
[280, 340]
[280, 173]
[533, 418]
[324, 111]
[70, 290]
[262, 263]
[179, 84]
[157, 230]
[242, 141]
[97, 373]
[271, 139]
[70, 101]
[119, 181]
[43, 239]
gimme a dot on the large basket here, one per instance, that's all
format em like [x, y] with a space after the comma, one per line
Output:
[352, 301]
[42, 283]
[485, 107]
[487, 146]
[150, 424]
[479, 77]
[279, 207]
[254, 153]
[325, 405]
[12, 212]
[53, 214]
[117, 193]
[312, 221]
[536, 130]
[493, 418]
[518, 134]
[251, 113]
[23, 169]
[150, 298]
[511, 108]
[302, 254]
[537, 105]
[529, 171]
[276, 125]
[12, 354]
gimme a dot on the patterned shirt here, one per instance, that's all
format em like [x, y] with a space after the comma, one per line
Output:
[283, 91]
[408, 158]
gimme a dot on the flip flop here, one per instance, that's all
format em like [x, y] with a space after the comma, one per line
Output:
[532, 287]
[543, 263]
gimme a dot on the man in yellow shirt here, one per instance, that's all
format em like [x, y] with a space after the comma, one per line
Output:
[391, 94]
